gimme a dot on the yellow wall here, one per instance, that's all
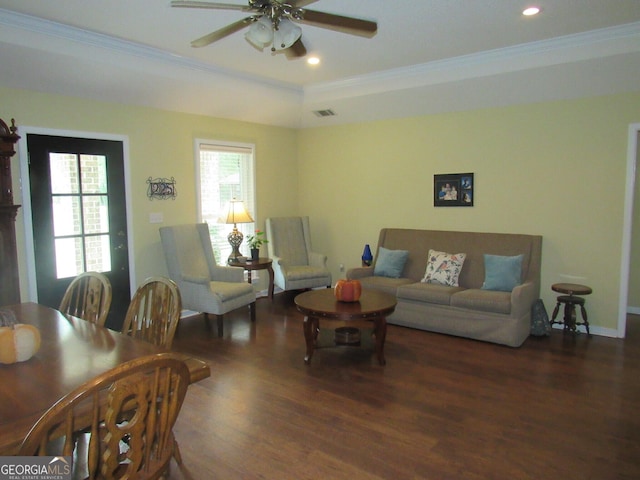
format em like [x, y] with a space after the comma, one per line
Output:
[161, 144]
[553, 169]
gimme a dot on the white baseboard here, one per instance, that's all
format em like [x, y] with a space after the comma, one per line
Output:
[594, 330]
[633, 310]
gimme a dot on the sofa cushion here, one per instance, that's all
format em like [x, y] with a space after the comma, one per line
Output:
[502, 273]
[443, 268]
[427, 292]
[384, 284]
[483, 300]
[390, 263]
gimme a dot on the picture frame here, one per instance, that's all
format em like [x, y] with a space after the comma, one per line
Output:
[453, 190]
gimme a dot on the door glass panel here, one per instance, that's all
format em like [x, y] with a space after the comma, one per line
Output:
[64, 173]
[66, 215]
[94, 173]
[98, 253]
[81, 211]
[69, 257]
[95, 213]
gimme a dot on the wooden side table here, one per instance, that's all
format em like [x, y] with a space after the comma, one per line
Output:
[571, 298]
[262, 263]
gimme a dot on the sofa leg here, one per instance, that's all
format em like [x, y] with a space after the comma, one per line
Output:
[252, 309]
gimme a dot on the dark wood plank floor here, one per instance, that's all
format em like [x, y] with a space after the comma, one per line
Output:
[559, 407]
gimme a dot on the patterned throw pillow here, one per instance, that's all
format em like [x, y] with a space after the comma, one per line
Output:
[444, 268]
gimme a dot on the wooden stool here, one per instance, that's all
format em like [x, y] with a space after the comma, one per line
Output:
[570, 301]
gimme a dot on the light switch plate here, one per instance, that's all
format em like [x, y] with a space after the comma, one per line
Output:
[156, 217]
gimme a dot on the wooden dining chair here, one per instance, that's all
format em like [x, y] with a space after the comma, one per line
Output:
[154, 312]
[153, 316]
[88, 297]
[87, 423]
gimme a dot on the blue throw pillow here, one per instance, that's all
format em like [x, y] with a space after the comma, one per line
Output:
[502, 273]
[390, 263]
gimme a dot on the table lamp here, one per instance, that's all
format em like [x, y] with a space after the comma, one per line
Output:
[236, 213]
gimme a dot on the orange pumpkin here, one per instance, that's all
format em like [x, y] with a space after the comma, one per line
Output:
[18, 343]
[348, 290]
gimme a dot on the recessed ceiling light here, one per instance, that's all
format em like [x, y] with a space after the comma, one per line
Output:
[313, 60]
[531, 11]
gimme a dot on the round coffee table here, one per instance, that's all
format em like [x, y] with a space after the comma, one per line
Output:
[322, 304]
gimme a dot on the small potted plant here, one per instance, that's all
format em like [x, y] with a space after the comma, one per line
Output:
[255, 241]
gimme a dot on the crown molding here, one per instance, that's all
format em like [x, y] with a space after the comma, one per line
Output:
[125, 47]
[570, 48]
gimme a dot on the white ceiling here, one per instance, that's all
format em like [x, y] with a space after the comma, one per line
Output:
[428, 56]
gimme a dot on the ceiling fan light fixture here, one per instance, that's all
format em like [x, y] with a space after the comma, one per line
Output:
[286, 34]
[260, 33]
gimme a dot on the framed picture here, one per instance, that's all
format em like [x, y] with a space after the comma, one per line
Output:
[453, 190]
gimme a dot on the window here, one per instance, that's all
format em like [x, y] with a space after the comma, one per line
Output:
[224, 171]
[80, 213]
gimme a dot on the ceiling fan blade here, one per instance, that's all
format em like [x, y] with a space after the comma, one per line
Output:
[215, 6]
[353, 26]
[301, 3]
[223, 32]
[296, 50]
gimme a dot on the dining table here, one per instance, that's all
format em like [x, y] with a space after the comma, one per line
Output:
[72, 352]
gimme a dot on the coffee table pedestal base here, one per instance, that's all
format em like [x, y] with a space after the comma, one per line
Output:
[312, 329]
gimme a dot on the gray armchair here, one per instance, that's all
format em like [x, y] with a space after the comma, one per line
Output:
[295, 265]
[205, 286]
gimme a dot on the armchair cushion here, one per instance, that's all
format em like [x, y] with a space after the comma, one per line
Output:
[300, 272]
[229, 291]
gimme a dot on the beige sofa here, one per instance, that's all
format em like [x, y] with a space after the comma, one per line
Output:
[467, 310]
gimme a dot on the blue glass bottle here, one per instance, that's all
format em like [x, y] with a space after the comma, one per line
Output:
[367, 257]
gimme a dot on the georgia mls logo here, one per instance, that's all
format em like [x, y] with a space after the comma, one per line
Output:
[60, 465]
[35, 468]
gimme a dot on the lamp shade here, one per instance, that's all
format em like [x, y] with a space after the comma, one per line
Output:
[260, 33]
[237, 213]
[286, 35]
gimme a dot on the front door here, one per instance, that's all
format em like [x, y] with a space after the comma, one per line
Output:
[79, 216]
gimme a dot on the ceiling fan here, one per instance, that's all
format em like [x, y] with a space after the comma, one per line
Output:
[273, 22]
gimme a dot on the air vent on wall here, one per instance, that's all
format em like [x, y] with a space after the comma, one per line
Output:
[324, 113]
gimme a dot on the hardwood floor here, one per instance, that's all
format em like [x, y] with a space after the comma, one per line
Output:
[559, 407]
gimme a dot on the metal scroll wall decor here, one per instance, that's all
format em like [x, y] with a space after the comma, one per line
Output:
[161, 188]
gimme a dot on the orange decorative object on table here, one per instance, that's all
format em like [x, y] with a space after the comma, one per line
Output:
[18, 343]
[348, 290]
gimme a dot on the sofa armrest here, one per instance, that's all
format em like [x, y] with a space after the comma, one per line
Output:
[359, 272]
[228, 274]
[522, 298]
[317, 259]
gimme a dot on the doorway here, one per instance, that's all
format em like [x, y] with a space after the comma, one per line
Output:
[78, 216]
[628, 240]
